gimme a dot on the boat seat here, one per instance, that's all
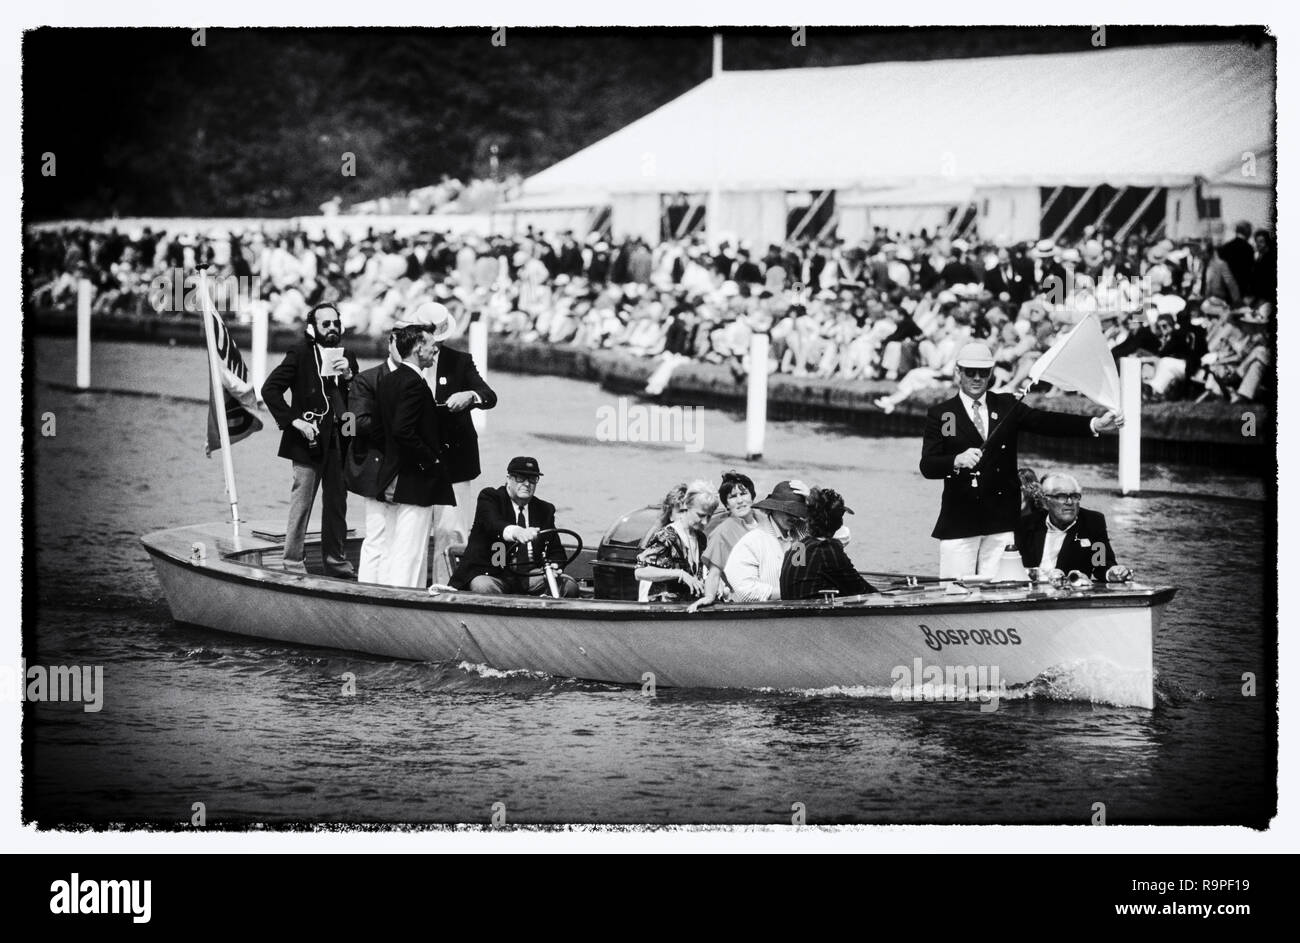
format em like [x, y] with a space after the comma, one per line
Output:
[454, 553]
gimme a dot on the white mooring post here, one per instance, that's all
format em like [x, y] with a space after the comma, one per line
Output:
[261, 330]
[478, 338]
[84, 291]
[756, 407]
[1130, 435]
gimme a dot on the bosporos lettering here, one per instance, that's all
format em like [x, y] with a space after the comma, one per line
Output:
[938, 638]
[76, 896]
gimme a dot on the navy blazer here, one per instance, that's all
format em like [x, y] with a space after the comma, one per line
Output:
[412, 443]
[496, 512]
[456, 373]
[987, 502]
[1078, 551]
[361, 470]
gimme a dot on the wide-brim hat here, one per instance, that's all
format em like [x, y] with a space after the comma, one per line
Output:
[975, 355]
[1044, 249]
[786, 500]
[433, 317]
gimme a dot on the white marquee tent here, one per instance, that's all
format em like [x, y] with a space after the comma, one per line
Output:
[1005, 136]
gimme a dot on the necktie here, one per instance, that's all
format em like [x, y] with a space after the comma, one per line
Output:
[528, 548]
[979, 419]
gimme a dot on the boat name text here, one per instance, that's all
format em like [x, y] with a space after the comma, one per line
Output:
[938, 638]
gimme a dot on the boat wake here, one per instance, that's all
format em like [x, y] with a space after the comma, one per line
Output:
[483, 671]
[1097, 681]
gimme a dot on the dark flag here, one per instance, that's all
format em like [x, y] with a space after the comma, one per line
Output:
[240, 397]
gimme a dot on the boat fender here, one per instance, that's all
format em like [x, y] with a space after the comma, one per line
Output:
[199, 553]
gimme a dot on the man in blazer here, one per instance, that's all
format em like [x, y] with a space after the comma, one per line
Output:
[1006, 278]
[411, 477]
[361, 469]
[970, 443]
[1041, 269]
[1066, 537]
[313, 437]
[504, 554]
[458, 389]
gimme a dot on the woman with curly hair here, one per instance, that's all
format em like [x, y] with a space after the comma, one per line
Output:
[672, 561]
[818, 562]
[736, 495]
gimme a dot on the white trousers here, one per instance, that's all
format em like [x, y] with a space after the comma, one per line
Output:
[406, 562]
[450, 527]
[972, 556]
[374, 549]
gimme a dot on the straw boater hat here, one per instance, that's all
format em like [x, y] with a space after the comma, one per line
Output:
[1214, 307]
[1045, 249]
[432, 316]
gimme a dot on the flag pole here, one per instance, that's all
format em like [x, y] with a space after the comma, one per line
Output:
[219, 400]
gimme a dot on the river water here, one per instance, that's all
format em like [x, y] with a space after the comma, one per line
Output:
[260, 733]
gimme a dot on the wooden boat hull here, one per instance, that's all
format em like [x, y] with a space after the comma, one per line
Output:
[1094, 645]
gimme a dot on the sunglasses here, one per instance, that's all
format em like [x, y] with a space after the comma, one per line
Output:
[977, 373]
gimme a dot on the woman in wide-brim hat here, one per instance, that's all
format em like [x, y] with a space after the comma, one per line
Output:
[754, 568]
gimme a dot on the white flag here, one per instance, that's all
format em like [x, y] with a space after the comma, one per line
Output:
[1081, 361]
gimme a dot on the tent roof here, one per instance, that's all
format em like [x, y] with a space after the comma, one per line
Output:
[1146, 116]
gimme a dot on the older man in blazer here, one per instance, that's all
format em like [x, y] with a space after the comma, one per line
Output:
[1066, 537]
[411, 474]
[970, 443]
[504, 554]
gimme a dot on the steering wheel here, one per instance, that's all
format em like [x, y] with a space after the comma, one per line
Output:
[525, 565]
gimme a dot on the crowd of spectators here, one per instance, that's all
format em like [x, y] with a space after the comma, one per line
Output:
[888, 308]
